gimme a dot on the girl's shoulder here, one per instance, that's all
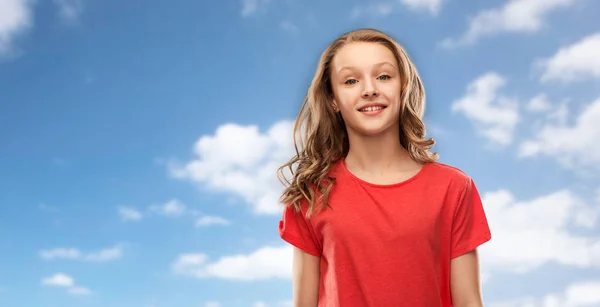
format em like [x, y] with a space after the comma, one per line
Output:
[447, 168]
[442, 170]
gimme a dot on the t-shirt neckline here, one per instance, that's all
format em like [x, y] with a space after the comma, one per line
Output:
[389, 185]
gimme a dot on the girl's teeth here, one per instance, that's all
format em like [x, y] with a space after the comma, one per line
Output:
[370, 109]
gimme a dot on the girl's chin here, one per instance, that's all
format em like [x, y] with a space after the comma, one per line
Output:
[373, 128]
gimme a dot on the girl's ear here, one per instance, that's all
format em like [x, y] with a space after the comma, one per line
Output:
[335, 106]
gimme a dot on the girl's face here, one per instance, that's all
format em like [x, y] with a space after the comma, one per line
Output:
[366, 85]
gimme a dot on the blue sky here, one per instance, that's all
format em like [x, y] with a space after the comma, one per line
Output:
[138, 142]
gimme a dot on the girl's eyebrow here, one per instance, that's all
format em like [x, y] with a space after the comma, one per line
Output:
[376, 65]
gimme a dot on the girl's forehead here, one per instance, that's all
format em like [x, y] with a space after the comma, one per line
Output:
[358, 49]
[362, 55]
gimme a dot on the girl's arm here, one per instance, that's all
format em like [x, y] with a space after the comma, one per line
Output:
[305, 279]
[464, 280]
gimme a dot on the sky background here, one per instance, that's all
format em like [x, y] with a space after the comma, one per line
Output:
[139, 141]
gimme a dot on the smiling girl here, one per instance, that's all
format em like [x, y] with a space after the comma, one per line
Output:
[373, 218]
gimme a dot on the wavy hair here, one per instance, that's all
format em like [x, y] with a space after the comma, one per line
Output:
[320, 135]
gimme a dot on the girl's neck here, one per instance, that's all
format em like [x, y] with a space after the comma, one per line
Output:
[380, 156]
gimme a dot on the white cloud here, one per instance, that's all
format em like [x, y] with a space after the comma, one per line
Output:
[69, 10]
[207, 220]
[212, 304]
[516, 16]
[63, 253]
[251, 7]
[172, 208]
[495, 116]
[547, 112]
[65, 281]
[243, 161]
[129, 214]
[264, 263]
[104, 255]
[580, 294]
[259, 304]
[108, 254]
[574, 62]
[58, 280]
[541, 230]
[15, 19]
[575, 146]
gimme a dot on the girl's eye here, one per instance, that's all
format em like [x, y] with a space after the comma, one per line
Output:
[350, 81]
[385, 77]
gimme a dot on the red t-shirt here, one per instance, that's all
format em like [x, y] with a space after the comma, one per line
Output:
[390, 245]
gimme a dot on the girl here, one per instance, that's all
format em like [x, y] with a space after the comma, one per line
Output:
[374, 220]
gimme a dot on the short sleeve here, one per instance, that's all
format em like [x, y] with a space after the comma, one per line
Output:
[470, 227]
[295, 229]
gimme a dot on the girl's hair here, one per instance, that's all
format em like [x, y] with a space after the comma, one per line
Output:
[320, 136]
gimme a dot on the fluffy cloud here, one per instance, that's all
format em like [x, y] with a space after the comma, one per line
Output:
[104, 255]
[208, 220]
[58, 280]
[581, 294]
[574, 62]
[15, 18]
[264, 263]
[516, 16]
[541, 230]
[65, 281]
[494, 115]
[129, 214]
[62, 253]
[243, 161]
[547, 111]
[172, 208]
[574, 146]
[108, 254]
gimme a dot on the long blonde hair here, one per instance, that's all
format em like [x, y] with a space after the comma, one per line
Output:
[320, 136]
